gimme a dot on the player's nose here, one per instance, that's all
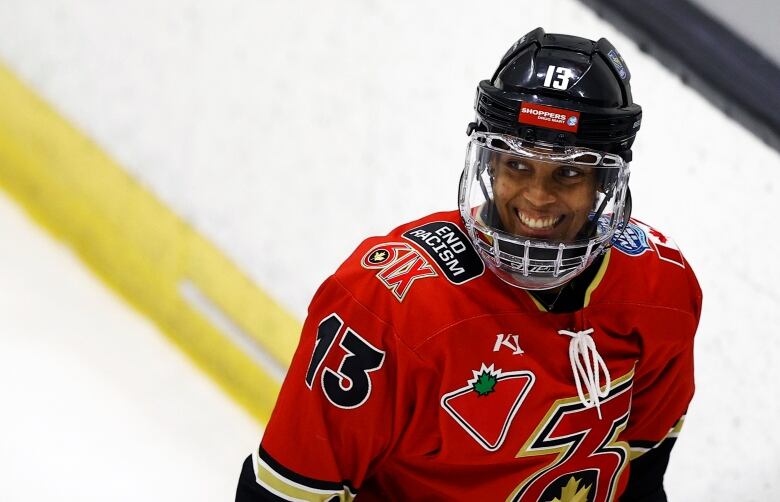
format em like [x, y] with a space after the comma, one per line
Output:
[539, 190]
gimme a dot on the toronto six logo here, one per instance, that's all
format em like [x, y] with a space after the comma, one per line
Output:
[399, 266]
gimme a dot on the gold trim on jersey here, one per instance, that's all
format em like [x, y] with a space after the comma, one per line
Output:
[536, 302]
[638, 451]
[591, 287]
[567, 400]
[287, 489]
[597, 280]
[528, 451]
[675, 431]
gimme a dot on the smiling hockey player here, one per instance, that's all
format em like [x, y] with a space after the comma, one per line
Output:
[536, 345]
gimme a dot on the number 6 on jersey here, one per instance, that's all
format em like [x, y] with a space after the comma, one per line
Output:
[350, 385]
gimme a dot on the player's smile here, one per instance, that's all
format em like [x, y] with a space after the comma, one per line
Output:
[538, 225]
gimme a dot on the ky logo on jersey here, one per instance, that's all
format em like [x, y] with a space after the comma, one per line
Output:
[400, 265]
[487, 404]
[510, 341]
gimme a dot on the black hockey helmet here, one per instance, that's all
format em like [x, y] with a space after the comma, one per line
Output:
[569, 73]
[559, 106]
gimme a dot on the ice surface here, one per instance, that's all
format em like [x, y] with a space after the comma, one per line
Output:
[96, 404]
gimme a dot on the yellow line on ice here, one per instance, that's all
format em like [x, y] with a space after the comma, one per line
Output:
[138, 246]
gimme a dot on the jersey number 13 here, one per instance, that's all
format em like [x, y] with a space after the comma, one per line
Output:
[349, 385]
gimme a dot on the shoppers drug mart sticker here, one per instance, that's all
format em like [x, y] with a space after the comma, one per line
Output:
[549, 117]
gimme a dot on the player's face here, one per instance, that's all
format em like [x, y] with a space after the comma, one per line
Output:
[541, 200]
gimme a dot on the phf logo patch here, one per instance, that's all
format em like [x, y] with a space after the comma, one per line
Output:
[399, 266]
[632, 240]
[486, 406]
[618, 63]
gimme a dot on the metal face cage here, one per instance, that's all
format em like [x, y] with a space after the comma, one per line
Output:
[528, 260]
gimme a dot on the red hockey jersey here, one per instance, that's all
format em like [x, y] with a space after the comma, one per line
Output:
[422, 376]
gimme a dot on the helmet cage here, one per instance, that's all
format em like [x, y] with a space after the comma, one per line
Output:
[527, 262]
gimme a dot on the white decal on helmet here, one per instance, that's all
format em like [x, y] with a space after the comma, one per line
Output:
[563, 75]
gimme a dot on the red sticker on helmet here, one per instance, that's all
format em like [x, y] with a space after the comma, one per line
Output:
[549, 117]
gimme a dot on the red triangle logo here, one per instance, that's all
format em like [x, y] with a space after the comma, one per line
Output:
[486, 406]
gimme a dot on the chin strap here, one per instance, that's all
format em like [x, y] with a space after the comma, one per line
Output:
[582, 348]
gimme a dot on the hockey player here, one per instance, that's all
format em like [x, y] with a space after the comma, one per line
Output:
[536, 345]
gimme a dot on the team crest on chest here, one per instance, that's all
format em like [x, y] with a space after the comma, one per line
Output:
[486, 406]
[584, 452]
[399, 266]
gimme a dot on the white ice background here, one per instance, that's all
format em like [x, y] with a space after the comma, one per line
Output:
[287, 131]
[96, 403]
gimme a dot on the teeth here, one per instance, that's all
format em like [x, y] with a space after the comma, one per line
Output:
[538, 223]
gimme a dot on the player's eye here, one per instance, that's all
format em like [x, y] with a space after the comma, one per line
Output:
[569, 174]
[516, 165]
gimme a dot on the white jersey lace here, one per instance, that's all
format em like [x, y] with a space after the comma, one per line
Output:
[582, 348]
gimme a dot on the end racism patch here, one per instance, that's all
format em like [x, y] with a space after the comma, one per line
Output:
[449, 247]
[549, 117]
